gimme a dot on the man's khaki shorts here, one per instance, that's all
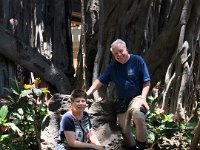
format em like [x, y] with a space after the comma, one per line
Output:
[125, 119]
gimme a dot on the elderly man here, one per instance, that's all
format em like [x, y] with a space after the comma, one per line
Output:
[132, 81]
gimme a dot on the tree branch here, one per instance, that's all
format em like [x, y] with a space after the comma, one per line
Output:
[18, 52]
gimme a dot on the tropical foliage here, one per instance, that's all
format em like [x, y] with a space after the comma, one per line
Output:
[168, 131]
[20, 120]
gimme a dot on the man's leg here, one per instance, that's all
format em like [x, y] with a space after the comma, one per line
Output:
[141, 133]
[124, 121]
[129, 140]
[141, 130]
[138, 117]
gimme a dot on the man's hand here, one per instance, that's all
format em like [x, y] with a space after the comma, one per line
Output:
[144, 103]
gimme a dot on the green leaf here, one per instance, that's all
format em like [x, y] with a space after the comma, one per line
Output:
[14, 91]
[6, 90]
[170, 124]
[151, 135]
[169, 118]
[162, 116]
[15, 128]
[37, 92]
[25, 93]
[3, 137]
[11, 99]
[30, 118]
[20, 111]
[43, 108]
[182, 126]
[3, 112]
[191, 125]
[150, 99]
[18, 116]
[12, 126]
[15, 86]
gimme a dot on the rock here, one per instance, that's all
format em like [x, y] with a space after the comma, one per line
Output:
[58, 105]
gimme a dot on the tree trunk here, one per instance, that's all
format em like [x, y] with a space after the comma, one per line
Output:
[43, 26]
[196, 138]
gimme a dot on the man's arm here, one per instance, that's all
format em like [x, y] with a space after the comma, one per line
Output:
[145, 90]
[95, 86]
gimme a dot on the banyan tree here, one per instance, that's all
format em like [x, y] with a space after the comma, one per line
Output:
[35, 36]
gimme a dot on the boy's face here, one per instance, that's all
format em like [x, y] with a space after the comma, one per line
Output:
[79, 104]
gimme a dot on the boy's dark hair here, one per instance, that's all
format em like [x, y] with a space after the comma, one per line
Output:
[78, 93]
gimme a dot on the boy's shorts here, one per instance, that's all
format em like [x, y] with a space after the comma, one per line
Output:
[134, 111]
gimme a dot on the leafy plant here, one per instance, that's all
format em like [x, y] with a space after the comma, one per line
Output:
[6, 126]
[166, 131]
[24, 114]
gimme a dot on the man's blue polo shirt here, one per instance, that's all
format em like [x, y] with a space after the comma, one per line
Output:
[128, 78]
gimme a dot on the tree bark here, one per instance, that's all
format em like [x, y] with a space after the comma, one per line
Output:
[196, 138]
[30, 59]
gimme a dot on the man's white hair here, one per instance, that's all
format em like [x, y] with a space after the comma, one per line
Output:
[118, 41]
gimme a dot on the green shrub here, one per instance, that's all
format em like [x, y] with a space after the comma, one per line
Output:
[166, 131]
[23, 116]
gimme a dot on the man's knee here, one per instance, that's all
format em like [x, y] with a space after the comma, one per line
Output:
[139, 122]
[138, 115]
